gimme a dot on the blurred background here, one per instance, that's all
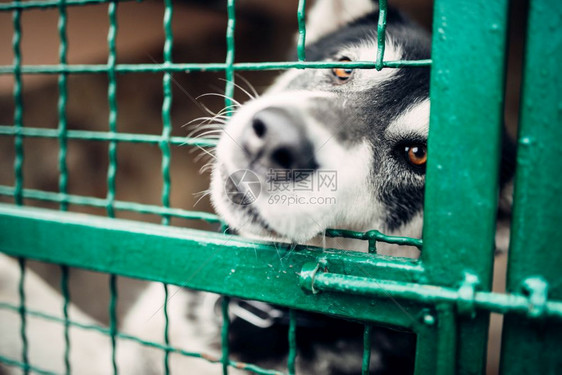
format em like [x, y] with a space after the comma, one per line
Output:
[265, 31]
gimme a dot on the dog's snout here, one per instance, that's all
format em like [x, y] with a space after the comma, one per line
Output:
[276, 139]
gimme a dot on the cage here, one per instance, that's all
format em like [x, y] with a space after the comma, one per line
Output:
[444, 297]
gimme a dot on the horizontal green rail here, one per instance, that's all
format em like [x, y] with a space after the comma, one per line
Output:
[17, 363]
[203, 260]
[89, 135]
[126, 247]
[204, 67]
[50, 4]
[314, 280]
[79, 200]
[375, 235]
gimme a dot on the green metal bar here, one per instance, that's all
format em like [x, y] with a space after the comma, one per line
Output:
[112, 99]
[367, 334]
[381, 34]
[446, 340]
[230, 55]
[18, 108]
[16, 5]
[113, 320]
[23, 320]
[112, 168]
[166, 331]
[224, 334]
[118, 205]
[535, 255]
[375, 235]
[202, 260]
[463, 168]
[63, 170]
[166, 108]
[426, 294]
[66, 298]
[104, 136]
[291, 358]
[15, 363]
[301, 17]
[207, 67]
[427, 338]
[467, 90]
[107, 331]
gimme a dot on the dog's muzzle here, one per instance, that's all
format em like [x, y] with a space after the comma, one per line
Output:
[276, 139]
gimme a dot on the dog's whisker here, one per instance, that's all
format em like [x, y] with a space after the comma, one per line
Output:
[221, 96]
[200, 133]
[204, 193]
[205, 119]
[218, 121]
[205, 151]
[211, 134]
[211, 127]
[208, 167]
[250, 86]
[241, 89]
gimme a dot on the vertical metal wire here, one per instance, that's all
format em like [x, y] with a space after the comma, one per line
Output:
[112, 99]
[230, 54]
[166, 108]
[63, 176]
[292, 343]
[372, 246]
[229, 94]
[166, 332]
[66, 301]
[367, 333]
[301, 53]
[166, 155]
[18, 109]
[23, 327]
[112, 167]
[224, 334]
[446, 340]
[113, 320]
[381, 32]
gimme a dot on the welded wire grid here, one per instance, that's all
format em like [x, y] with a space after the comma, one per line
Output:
[165, 141]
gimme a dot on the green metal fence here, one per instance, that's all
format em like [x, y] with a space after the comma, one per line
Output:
[444, 297]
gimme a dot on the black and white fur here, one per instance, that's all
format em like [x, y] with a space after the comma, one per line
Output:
[359, 128]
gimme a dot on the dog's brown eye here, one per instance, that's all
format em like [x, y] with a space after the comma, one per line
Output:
[342, 74]
[416, 154]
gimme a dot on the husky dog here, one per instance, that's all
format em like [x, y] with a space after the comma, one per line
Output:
[367, 127]
[364, 130]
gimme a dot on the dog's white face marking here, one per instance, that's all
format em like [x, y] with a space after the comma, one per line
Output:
[328, 16]
[414, 121]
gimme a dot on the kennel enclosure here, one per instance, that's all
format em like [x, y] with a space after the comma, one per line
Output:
[444, 297]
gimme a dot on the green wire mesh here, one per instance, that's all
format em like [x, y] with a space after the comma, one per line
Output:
[165, 141]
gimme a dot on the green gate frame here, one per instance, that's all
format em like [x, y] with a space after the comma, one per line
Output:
[444, 297]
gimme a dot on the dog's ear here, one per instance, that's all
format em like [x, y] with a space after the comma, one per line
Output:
[326, 16]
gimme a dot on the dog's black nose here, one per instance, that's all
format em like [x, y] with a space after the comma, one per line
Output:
[276, 139]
